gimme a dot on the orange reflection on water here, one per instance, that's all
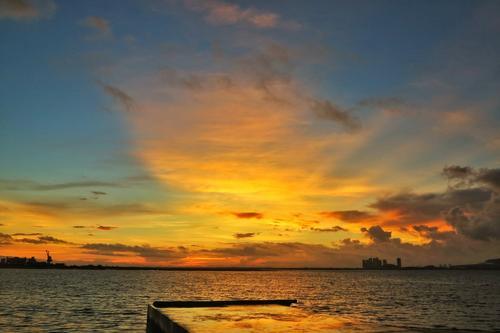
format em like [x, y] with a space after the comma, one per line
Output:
[258, 318]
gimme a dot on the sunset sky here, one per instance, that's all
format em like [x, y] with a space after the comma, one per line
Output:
[250, 133]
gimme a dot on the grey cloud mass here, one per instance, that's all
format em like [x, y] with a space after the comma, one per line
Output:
[377, 234]
[461, 176]
[471, 204]
[433, 233]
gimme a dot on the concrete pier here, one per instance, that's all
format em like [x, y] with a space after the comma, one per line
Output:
[237, 316]
[158, 320]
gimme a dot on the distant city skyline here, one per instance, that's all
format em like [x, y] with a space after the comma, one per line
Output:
[250, 133]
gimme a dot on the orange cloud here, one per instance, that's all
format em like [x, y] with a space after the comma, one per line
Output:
[105, 227]
[222, 13]
[248, 215]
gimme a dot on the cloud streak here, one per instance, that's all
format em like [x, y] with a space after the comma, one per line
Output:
[42, 240]
[124, 100]
[248, 215]
[100, 26]
[330, 229]
[5, 239]
[28, 185]
[244, 235]
[326, 110]
[106, 227]
[26, 10]
[145, 251]
[222, 13]
[350, 216]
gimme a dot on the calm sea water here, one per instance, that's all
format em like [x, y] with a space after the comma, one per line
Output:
[375, 301]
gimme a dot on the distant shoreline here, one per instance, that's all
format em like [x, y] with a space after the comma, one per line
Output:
[256, 269]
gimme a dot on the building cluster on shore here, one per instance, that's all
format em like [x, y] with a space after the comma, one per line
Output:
[24, 262]
[376, 263]
[373, 263]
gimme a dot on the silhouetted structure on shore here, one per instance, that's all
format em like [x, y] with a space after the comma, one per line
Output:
[376, 263]
[370, 263]
[24, 262]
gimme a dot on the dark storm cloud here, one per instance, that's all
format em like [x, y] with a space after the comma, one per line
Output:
[5, 239]
[99, 193]
[79, 226]
[331, 229]
[244, 235]
[349, 215]
[125, 101]
[377, 234]
[324, 109]
[248, 215]
[26, 10]
[145, 251]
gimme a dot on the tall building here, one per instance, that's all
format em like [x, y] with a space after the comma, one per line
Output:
[372, 263]
[376, 263]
